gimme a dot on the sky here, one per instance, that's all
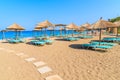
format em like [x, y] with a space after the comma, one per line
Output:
[28, 13]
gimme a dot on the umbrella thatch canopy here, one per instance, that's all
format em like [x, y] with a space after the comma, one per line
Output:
[15, 27]
[60, 25]
[81, 29]
[36, 29]
[102, 24]
[44, 24]
[87, 26]
[72, 26]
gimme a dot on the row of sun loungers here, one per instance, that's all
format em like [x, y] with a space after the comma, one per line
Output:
[112, 39]
[16, 40]
[41, 42]
[105, 43]
[77, 38]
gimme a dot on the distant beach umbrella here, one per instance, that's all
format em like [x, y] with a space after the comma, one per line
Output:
[102, 24]
[15, 27]
[45, 25]
[73, 27]
[81, 29]
[60, 27]
[87, 26]
[38, 27]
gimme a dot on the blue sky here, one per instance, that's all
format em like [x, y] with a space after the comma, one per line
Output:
[28, 13]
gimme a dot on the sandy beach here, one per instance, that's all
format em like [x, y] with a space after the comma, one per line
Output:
[65, 58]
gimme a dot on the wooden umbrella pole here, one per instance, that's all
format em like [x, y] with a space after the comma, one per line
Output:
[100, 37]
[16, 34]
[117, 32]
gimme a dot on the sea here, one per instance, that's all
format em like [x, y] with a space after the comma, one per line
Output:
[28, 34]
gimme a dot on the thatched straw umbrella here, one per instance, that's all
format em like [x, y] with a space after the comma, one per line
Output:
[61, 27]
[15, 27]
[86, 26]
[81, 29]
[72, 26]
[45, 25]
[102, 24]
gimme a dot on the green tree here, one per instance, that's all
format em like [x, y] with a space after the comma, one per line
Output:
[115, 19]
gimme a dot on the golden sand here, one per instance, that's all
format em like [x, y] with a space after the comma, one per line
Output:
[65, 59]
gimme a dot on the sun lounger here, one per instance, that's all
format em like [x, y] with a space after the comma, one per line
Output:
[48, 41]
[94, 46]
[39, 43]
[103, 43]
[13, 41]
[33, 41]
[72, 39]
[111, 39]
[86, 37]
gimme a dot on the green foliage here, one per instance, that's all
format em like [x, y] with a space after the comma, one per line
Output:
[119, 30]
[115, 19]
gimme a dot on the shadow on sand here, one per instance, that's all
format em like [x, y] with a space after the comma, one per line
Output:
[78, 46]
[60, 39]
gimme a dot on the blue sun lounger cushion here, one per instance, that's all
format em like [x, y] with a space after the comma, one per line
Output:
[103, 47]
[72, 39]
[48, 41]
[103, 43]
[33, 41]
[94, 46]
[39, 43]
[13, 41]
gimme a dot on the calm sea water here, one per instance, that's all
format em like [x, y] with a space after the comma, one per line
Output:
[26, 34]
